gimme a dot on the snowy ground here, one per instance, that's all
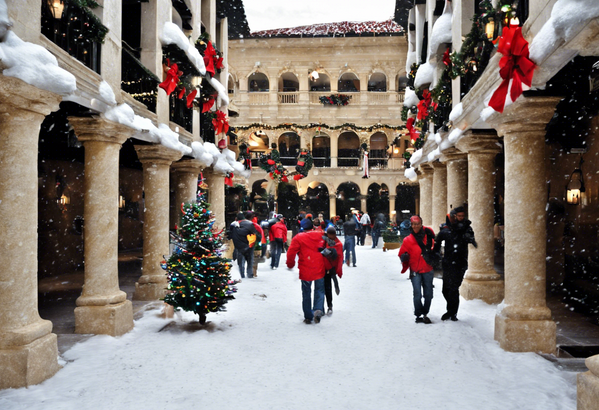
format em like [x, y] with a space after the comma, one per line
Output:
[260, 355]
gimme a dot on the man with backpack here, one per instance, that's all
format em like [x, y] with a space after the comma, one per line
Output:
[244, 235]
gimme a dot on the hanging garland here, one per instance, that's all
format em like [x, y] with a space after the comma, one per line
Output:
[97, 30]
[441, 95]
[351, 126]
[335, 99]
[213, 59]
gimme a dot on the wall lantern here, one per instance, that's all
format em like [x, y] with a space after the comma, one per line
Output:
[121, 202]
[575, 187]
[57, 7]
[490, 28]
[64, 200]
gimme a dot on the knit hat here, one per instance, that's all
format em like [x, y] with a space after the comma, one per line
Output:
[308, 225]
[416, 218]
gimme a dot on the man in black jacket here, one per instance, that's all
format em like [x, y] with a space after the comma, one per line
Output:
[456, 234]
[350, 230]
[244, 236]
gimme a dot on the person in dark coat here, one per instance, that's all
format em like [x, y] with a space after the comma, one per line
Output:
[244, 235]
[377, 229]
[456, 235]
[412, 256]
[332, 265]
[350, 230]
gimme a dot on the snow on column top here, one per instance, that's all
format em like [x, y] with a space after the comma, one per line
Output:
[29, 62]
[172, 34]
[441, 33]
[424, 75]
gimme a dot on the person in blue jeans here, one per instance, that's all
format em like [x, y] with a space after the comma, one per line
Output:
[350, 230]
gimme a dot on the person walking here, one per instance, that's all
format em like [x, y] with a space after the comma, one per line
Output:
[349, 246]
[307, 246]
[244, 235]
[456, 235]
[355, 214]
[365, 223]
[377, 229]
[278, 237]
[333, 265]
[415, 254]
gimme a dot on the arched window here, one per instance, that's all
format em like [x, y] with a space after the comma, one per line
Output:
[288, 82]
[257, 144]
[321, 150]
[348, 83]
[377, 157]
[348, 198]
[258, 82]
[231, 85]
[348, 151]
[402, 82]
[289, 147]
[317, 199]
[322, 83]
[377, 82]
[378, 200]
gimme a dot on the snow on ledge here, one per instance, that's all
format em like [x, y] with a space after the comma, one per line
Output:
[172, 34]
[456, 112]
[410, 98]
[441, 33]
[424, 75]
[410, 173]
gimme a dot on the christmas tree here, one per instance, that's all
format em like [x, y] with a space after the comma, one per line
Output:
[198, 275]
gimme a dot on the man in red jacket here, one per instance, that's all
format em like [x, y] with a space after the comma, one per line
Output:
[278, 237]
[415, 247]
[307, 246]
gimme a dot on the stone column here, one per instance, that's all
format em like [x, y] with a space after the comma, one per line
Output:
[334, 148]
[481, 281]
[588, 385]
[216, 195]
[392, 212]
[457, 177]
[439, 195]
[186, 182]
[524, 323]
[102, 307]
[363, 203]
[156, 161]
[332, 205]
[28, 349]
[425, 179]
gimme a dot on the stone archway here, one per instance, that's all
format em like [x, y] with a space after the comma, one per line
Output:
[321, 150]
[348, 151]
[405, 200]
[317, 199]
[289, 147]
[348, 196]
[378, 200]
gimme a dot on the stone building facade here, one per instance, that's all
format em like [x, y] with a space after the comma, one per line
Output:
[521, 156]
[78, 186]
[277, 82]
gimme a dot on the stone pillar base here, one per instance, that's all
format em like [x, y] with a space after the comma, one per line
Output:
[588, 385]
[149, 291]
[29, 364]
[489, 291]
[525, 335]
[113, 320]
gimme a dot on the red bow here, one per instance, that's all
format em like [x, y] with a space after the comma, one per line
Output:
[414, 134]
[229, 179]
[172, 79]
[181, 93]
[514, 65]
[297, 177]
[190, 97]
[446, 59]
[220, 123]
[208, 104]
[424, 104]
[209, 58]
[219, 63]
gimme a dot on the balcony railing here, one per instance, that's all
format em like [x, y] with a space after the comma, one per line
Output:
[378, 97]
[259, 98]
[315, 96]
[322, 162]
[289, 98]
[348, 162]
[137, 80]
[179, 113]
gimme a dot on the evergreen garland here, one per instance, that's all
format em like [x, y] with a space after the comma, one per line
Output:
[441, 94]
[97, 31]
[335, 99]
[404, 113]
[313, 125]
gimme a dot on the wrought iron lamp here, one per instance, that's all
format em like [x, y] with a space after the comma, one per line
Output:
[575, 187]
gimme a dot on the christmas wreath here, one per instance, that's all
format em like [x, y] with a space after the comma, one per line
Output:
[335, 99]
[271, 163]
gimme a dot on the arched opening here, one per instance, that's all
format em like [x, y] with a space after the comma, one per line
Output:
[232, 85]
[317, 199]
[348, 197]
[261, 202]
[288, 82]
[377, 82]
[236, 200]
[322, 83]
[405, 202]
[257, 144]
[378, 200]
[258, 82]
[321, 150]
[288, 204]
[401, 82]
[348, 152]
[289, 147]
[348, 83]
[377, 157]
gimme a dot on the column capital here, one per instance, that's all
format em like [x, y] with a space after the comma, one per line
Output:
[157, 154]
[528, 114]
[453, 154]
[481, 143]
[438, 165]
[425, 170]
[187, 166]
[98, 129]
[15, 94]
[392, 197]
[332, 196]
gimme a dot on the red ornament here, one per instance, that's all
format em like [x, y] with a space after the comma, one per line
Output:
[277, 172]
[514, 65]
[446, 59]
[301, 163]
[270, 162]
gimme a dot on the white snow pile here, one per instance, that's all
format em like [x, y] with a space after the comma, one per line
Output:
[568, 17]
[424, 75]
[441, 33]
[223, 94]
[34, 65]
[410, 98]
[172, 34]
[106, 93]
[416, 156]
[486, 113]
[411, 58]
[456, 112]
[438, 138]
[410, 173]
[455, 135]
[222, 162]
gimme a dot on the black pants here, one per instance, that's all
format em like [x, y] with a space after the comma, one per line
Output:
[452, 279]
[329, 277]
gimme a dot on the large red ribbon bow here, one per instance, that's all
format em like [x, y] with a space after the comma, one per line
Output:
[414, 134]
[209, 55]
[172, 79]
[514, 65]
[424, 104]
[220, 123]
[190, 97]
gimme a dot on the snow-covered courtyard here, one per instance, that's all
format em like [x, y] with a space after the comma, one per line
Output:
[260, 355]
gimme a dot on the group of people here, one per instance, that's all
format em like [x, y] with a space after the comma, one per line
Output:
[320, 256]
[420, 252]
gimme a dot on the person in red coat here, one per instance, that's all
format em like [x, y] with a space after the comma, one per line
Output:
[307, 246]
[332, 266]
[414, 249]
[278, 237]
